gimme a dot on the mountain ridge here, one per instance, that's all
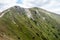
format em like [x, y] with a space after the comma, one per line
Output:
[29, 24]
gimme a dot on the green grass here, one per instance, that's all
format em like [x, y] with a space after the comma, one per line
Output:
[26, 28]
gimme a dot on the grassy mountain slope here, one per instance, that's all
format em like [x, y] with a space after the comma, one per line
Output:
[28, 24]
[55, 16]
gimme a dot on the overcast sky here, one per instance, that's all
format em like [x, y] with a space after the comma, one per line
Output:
[50, 5]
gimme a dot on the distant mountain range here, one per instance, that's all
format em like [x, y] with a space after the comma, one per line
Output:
[18, 23]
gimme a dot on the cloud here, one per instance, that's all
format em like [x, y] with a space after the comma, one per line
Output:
[4, 4]
[7, 1]
[50, 5]
[33, 3]
[53, 6]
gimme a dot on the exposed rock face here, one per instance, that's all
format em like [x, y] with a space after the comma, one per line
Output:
[18, 23]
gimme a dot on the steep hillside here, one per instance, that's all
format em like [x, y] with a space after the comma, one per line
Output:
[18, 23]
[55, 16]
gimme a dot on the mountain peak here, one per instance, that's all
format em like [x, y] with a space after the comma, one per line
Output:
[17, 23]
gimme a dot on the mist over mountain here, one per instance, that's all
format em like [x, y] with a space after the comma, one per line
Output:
[17, 23]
